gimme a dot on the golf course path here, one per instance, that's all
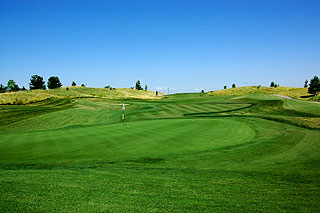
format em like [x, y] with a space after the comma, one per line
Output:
[283, 96]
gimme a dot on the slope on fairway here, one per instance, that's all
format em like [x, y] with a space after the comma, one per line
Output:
[153, 139]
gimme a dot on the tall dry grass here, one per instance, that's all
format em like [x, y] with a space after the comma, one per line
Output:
[32, 96]
[285, 91]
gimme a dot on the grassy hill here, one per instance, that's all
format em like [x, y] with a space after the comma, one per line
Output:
[183, 152]
[298, 93]
[32, 96]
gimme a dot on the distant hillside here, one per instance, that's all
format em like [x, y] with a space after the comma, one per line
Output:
[298, 93]
[31, 96]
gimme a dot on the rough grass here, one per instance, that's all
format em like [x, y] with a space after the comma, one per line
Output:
[185, 152]
[32, 96]
[298, 93]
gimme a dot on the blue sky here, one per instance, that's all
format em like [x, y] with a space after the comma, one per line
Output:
[181, 44]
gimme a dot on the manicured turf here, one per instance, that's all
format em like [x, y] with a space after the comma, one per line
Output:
[185, 152]
[118, 142]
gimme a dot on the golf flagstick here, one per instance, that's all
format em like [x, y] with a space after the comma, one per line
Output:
[123, 108]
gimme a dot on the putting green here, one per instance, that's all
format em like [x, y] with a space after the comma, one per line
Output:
[154, 138]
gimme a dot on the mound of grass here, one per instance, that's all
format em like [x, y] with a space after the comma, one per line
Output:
[292, 92]
[32, 96]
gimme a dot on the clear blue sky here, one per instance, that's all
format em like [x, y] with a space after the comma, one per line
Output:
[181, 44]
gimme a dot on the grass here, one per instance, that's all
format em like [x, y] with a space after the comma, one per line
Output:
[27, 97]
[297, 93]
[183, 152]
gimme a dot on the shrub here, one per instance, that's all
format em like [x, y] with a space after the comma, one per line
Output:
[138, 85]
[36, 82]
[314, 86]
[54, 82]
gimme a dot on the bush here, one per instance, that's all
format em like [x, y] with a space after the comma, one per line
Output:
[138, 85]
[2, 88]
[54, 82]
[272, 84]
[36, 82]
[314, 86]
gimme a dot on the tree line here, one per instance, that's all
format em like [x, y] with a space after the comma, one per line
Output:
[36, 82]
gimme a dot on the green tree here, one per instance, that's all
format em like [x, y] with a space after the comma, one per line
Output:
[146, 88]
[233, 85]
[2, 88]
[138, 85]
[305, 84]
[12, 86]
[54, 82]
[224, 87]
[272, 84]
[74, 84]
[37, 82]
[314, 86]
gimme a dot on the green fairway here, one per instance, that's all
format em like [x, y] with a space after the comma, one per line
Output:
[184, 152]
